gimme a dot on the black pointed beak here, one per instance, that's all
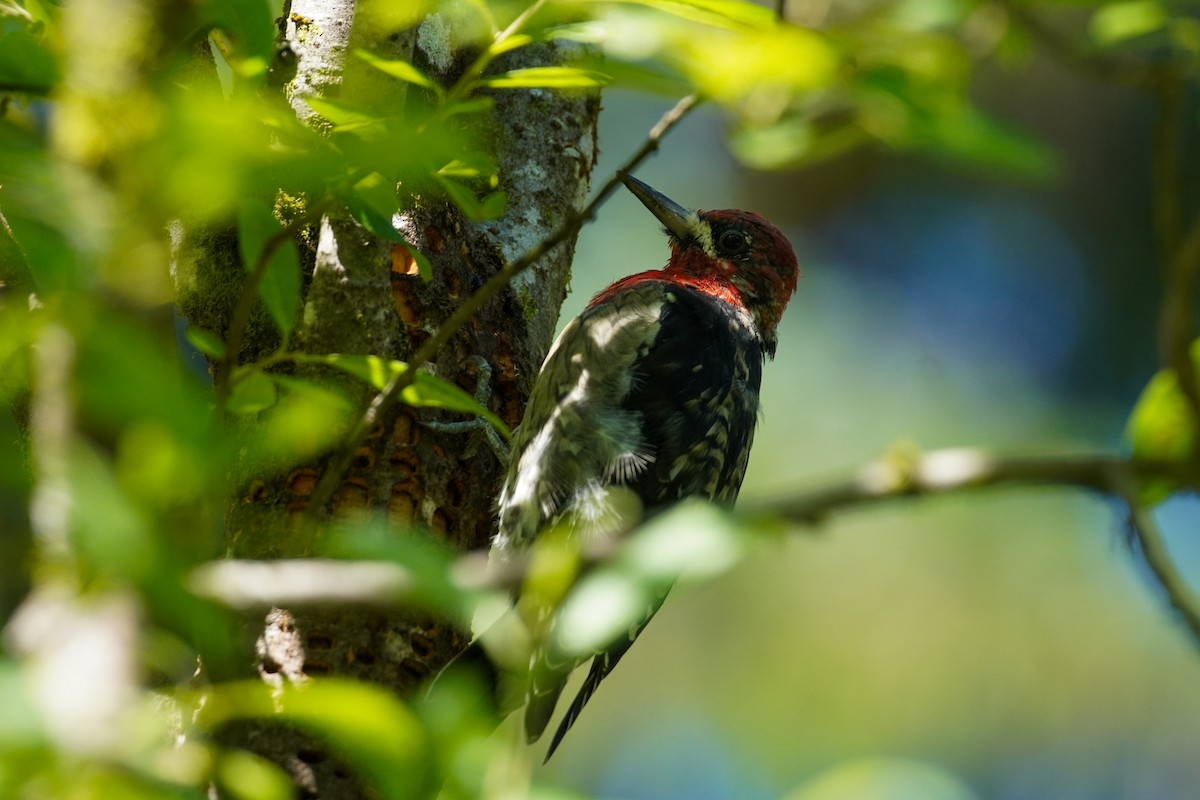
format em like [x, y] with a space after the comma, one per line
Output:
[669, 213]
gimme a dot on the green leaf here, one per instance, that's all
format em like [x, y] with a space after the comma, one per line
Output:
[476, 210]
[304, 422]
[24, 61]
[546, 78]
[508, 44]
[426, 391]
[21, 723]
[252, 392]
[366, 725]
[424, 268]
[474, 105]
[493, 205]
[374, 202]
[246, 776]
[714, 12]
[694, 541]
[469, 165]
[400, 69]
[343, 115]
[206, 342]
[433, 392]
[793, 142]
[1119, 22]
[280, 284]
[249, 22]
[1160, 428]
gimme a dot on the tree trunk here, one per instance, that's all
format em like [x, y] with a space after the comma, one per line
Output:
[361, 298]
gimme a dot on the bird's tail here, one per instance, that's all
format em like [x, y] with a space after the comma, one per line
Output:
[602, 664]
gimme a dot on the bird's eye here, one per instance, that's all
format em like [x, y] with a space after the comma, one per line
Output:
[732, 242]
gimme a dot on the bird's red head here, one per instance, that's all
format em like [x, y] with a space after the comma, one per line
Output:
[736, 256]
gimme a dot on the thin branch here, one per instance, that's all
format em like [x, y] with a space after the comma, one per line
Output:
[287, 583]
[1179, 594]
[954, 470]
[340, 461]
[243, 584]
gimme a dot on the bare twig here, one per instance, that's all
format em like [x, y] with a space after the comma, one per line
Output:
[341, 459]
[1154, 549]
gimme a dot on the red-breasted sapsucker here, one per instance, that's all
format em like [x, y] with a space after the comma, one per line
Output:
[654, 387]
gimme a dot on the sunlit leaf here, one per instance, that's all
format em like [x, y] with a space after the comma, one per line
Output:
[372, 370]
[427, 391]
[400, 69]
[373, 203]
[477, 210]
[431, 391]
[367, 726]
[113, 536]
[972, 136]
[546, 78]
[306, 419]
[714, 12]
[125, 374]
[342, 115]
[20, 724]
[246, 776]
[25, 62]
[279, 288]
[883, 777]
[424, 267]
[249, 22]
[252, 392]
[379, 193]
[793, 142]
[206, 342]
[599, 611]
[758, 71]
[473, 105]
[508, 44]
[1118, 22]
[694, 541]
[469, 165]
[1160, 428]
[216, 152]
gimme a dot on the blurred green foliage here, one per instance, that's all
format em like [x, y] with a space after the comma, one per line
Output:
[115, 461]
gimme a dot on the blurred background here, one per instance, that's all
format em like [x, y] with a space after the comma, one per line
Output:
[997, 645]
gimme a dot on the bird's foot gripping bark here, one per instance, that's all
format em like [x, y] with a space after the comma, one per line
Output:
[483, 393]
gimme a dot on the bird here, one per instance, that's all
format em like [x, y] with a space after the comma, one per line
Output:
[653, 389]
